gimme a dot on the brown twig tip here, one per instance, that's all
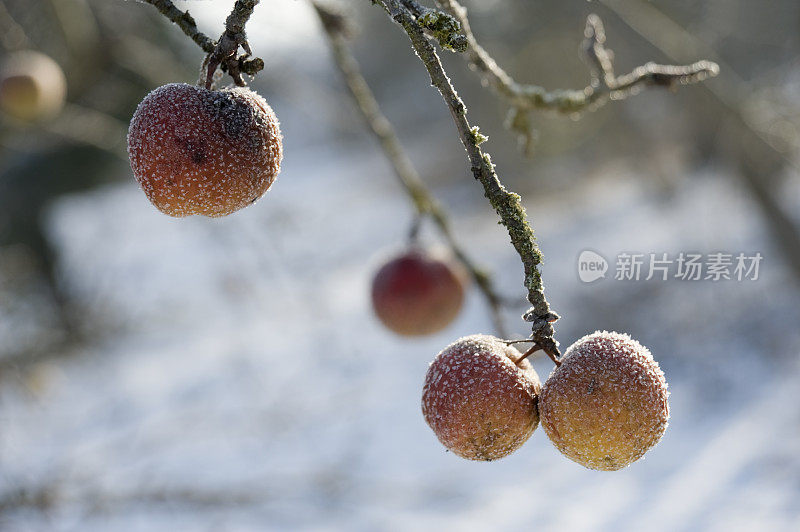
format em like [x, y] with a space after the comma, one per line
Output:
[531, 350]
[605, 84]
[600, 58]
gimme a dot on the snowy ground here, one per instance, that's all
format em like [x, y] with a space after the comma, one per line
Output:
[242, 383]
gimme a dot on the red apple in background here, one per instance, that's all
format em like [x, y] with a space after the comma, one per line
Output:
[418, 292]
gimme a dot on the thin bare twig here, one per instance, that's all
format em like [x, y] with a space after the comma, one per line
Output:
[507, 204]
[604, 85]
[759, 158]
[12, 35]
[531, 350]
[185, 22]
[336, 29]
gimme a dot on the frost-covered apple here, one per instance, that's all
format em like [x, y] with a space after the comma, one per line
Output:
[480, 398]
[606, 405]
[206, 152]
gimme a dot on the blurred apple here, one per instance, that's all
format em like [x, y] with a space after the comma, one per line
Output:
[32, 86]
[418, 292]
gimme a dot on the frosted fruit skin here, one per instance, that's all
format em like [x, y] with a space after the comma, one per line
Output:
[418, 292]
[32, 86]
[606, 405]
[198, 151]
[480, 404]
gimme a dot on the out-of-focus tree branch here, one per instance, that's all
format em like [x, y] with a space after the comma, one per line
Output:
[12, 35]
[336, 29]
[759, 159]
[604, 84]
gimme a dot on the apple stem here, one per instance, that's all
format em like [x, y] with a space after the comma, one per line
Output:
[532, 349]
[535, 347]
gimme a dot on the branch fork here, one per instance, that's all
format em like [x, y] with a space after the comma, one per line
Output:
[223, 53]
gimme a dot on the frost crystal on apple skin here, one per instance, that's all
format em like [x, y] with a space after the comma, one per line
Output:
[606, 405]
[198, 151]
[480, 404]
